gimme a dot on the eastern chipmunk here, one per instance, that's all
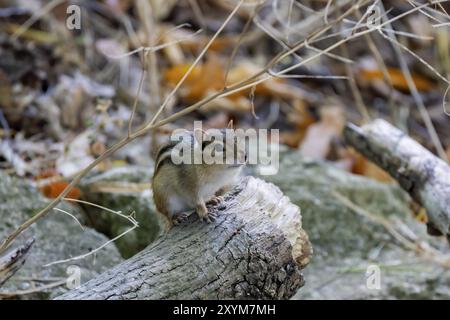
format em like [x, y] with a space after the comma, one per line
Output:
[180, 189]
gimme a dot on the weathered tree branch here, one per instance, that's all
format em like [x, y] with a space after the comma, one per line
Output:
[11, 262]
[424, 176]
[255, 249]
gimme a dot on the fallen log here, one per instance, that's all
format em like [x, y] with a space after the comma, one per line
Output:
[11, 262]
[255, 249]
[424, 176]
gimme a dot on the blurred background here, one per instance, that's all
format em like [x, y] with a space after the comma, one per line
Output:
[71, 73]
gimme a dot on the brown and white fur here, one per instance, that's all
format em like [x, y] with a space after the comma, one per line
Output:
[180, 189]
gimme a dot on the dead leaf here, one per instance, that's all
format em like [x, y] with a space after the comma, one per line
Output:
[203, 79]
[209, 77]
[362, 166]
[54, 189]
[273, 87]
[397, 78]
[318, 138]
[77, 154]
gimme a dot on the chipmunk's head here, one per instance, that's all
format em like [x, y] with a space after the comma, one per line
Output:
[214, 149]
[222, 148]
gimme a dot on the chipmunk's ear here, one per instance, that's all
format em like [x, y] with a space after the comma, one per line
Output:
[230, 124]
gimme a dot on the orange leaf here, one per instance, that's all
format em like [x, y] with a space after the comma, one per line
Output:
[209, 77]
[54, 189]
[397, 79]
[244, 70]
[203, 78]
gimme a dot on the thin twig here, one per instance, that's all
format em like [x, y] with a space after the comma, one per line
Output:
[237, 45]
[381, 65]
[362, 108]
[130, 218]
[119, 213]
[196, 61]
[35, 17]
[197, 13]
[415, 93]
[420, 59]
[12, 294]
[152, 48]
[148, 19]
[135, 104]
[70, 215]
[289, 21]
[327, 8]
[83, 256]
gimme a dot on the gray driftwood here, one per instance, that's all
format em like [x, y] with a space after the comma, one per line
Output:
[424, 176]
[255, 249]
[13, 260]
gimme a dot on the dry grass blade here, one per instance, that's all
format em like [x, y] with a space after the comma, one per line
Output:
[415, 93]
[139, 90]
[70, 215]
[36, 16]
[129, 217]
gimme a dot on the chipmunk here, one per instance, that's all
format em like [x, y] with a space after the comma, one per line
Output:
[180, 189]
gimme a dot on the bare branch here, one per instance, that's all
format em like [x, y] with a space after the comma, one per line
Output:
[11, 262]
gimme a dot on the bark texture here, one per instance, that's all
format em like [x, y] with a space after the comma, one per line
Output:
[424, 176]
[12, 261]
[255, 249]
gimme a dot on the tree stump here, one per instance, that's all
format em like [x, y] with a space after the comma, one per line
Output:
[255, 249]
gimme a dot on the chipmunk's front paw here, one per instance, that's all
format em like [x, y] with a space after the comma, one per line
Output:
[216, 200]
[204, 214]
